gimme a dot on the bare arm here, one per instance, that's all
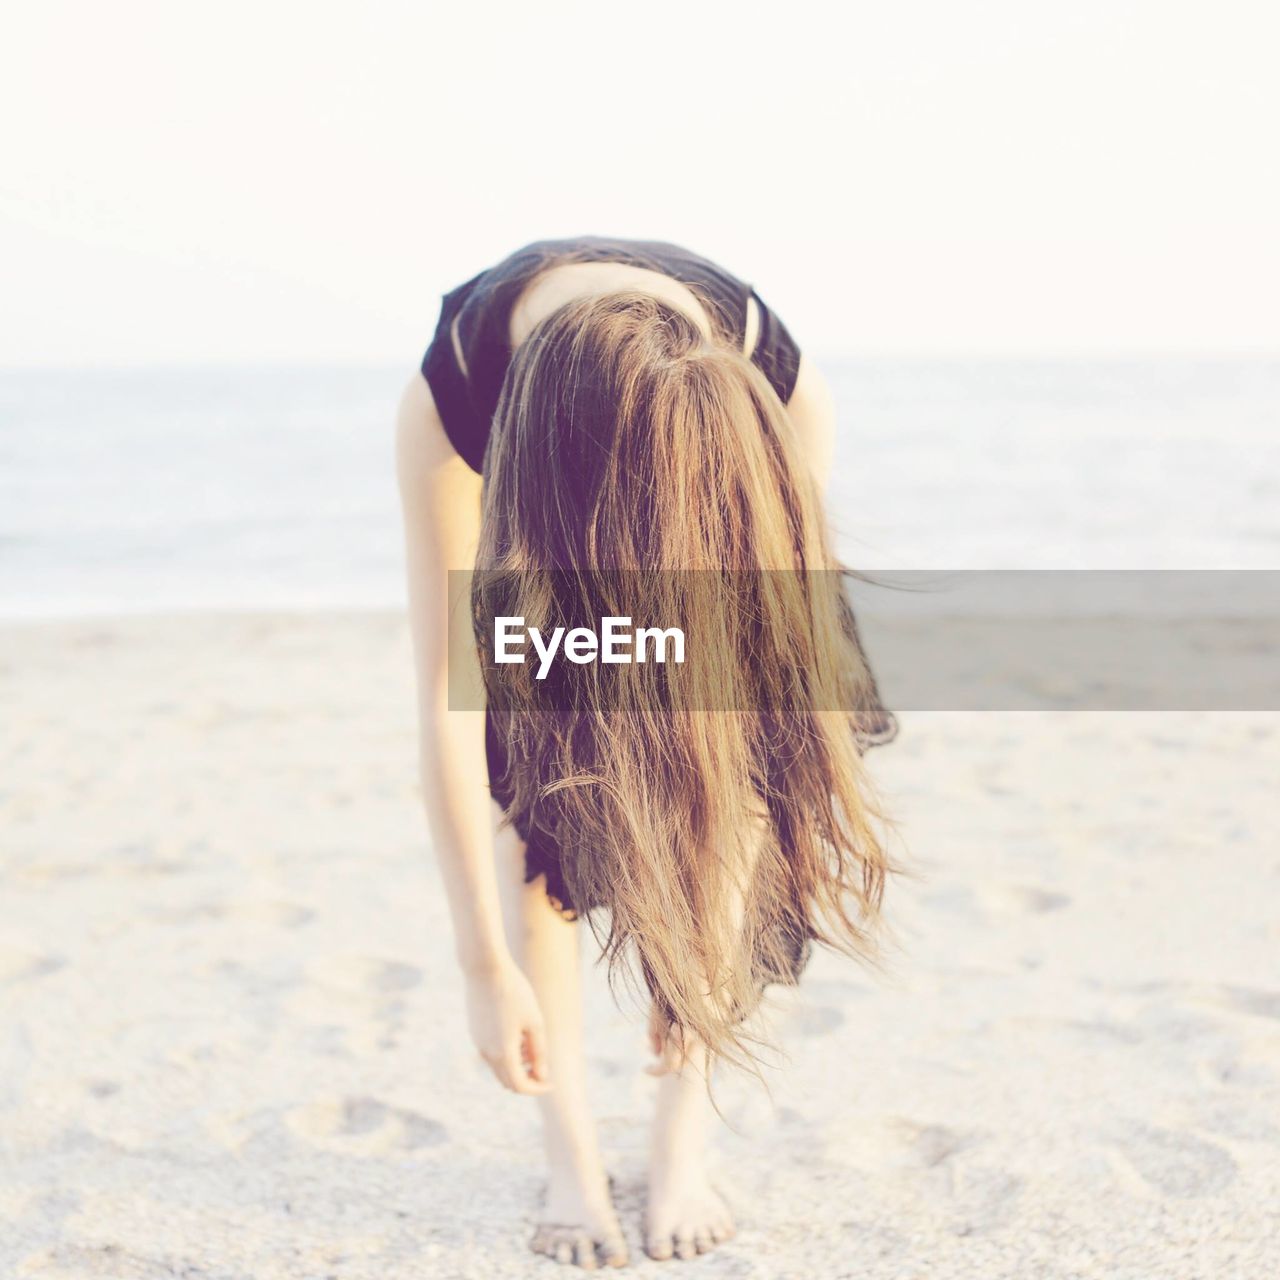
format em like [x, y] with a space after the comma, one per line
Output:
[440, 501]
[813, 412]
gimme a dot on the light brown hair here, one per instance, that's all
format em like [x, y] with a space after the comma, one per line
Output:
[720, 811]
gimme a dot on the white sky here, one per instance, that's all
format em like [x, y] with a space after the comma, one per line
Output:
[299, 182]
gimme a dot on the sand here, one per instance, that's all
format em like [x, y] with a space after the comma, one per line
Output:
[232, 1042]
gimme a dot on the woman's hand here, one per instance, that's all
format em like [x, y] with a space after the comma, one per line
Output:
[506, 1026]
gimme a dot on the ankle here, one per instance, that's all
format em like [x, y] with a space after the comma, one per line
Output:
[571, 1192]
[581, 1166]
[677, 1155]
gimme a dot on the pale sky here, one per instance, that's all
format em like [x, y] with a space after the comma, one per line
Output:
[299, 182]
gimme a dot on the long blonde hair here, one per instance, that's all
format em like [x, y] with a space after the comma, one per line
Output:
[719, 811]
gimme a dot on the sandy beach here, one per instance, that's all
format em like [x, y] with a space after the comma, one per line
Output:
[232, 1043]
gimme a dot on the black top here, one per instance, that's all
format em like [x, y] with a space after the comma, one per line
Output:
[480, 314]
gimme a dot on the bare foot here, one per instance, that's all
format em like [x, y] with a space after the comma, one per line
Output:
[578, 1225]
[685, 1217]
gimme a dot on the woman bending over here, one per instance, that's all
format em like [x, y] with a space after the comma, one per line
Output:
[591, 413]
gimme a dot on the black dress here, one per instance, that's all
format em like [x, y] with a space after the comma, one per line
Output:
[465, 366]
[475, 320]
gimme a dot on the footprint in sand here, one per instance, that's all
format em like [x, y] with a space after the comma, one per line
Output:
[1101, 1031]
[1176, 1163]
[366, 1123]
[24, 966]
[934, 1144]
[983, 1196]
[1017, 898]
[1237, 1072]
[1241, 1124]
[366, 975]
[814, 1019]
[1262, 1004]
[272, 914]
[73, 1261]
[940, 1161]
[364, 996]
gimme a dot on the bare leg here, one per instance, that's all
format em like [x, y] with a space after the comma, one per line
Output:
[685, 1215]
[579, 1224]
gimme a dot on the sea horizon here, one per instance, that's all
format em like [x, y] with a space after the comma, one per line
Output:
[270, 487]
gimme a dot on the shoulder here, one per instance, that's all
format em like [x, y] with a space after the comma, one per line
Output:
[422, 445]
[812, 390]
[812, 410]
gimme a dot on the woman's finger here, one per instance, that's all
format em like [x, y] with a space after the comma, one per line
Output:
[516, 1078]
[536, 1044]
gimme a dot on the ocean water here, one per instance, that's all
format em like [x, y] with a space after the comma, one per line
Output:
[147, 490]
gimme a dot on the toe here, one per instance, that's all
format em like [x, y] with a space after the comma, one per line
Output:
[703, 1241]
[612, 1252]
[575, 1247]
[658, 1248]
[685, 1247]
